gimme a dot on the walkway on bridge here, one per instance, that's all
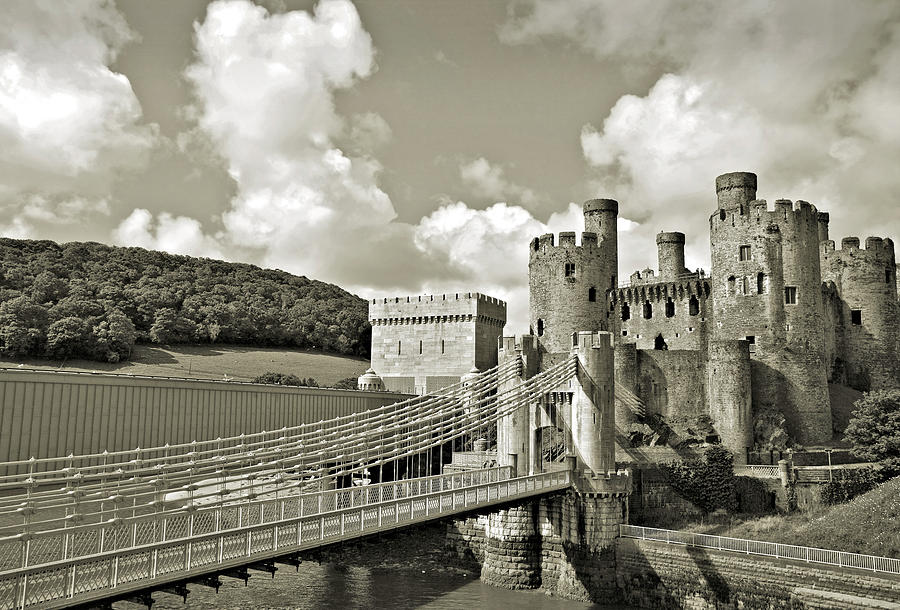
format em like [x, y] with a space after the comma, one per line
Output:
[80, 529]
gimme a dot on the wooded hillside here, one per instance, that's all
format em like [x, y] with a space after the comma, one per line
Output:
[95, 301]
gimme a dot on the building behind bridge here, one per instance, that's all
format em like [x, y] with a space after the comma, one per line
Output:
[742, 354]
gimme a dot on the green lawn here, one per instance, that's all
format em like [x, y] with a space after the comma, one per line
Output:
[869, 524]
[214, 362]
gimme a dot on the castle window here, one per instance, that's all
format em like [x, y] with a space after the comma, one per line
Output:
[399, 343]
[745, 285]
[540, 327]
[670, 308]
[592, 294]
[626, 312]
[744, 253]
[574, 339]
[790, 295]
[660, 343]
[761, 284]
[731, 281]
[648, 310]
[694, 306]
[751, 339]
[887, 276]
[442, 346]
[722, 214]
[624, 333]
[420, 347]
[570, 269]
[856, 317]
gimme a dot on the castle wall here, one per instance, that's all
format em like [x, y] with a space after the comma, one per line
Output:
[866, 315]
[729, 395]
[766, 286]
[686, 300]
[670, 382]
[431, 341]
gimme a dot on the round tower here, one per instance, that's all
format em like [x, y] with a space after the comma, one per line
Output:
[568, 281]
[868, 329]
[670, 248]
[735, 189]
[729, 394]
[766, 287]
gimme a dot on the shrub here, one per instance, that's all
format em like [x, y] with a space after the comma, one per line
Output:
[707, 483]
[274, 378]
[847, 484]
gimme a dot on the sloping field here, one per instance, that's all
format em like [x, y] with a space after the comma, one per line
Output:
[214, 362]
[868, 524]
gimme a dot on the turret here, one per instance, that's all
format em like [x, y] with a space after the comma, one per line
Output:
[735, 190]
[568, 281]
[670, 247]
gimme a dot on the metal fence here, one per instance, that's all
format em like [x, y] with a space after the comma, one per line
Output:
[82, 564]
[757, 471]
[841, 559]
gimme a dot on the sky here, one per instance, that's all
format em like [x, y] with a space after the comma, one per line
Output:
[403, 147]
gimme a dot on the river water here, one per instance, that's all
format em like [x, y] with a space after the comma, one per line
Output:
[336, 585]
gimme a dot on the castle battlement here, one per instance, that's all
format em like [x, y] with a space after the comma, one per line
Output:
[438, 309]
[464, 296]
[566, 240]
[877, 250]
[693, 285]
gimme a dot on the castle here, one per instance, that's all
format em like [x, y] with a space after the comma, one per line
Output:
[728, 356]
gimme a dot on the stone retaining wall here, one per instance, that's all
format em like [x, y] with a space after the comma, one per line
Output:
[659, 575]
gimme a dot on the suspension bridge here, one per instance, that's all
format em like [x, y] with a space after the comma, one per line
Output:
[115, 526]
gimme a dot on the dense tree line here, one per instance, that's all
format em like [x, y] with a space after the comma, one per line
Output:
[95, 301]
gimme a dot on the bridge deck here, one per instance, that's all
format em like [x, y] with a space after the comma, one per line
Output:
[85, 564]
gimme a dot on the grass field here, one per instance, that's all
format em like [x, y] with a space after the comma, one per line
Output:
[867, 524]
[214, 362]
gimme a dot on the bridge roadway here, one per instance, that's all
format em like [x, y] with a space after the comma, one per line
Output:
[113, 560]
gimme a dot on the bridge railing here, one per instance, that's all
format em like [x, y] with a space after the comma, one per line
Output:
[770, 549]
[758, 471]
[62, 568]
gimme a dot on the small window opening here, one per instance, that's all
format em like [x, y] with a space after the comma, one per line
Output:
[790, 295]
[660, 343]
[690, 329]
[745, 285]
[694, 306]
[744, 253]
[570, 269]
[399, 344]
[592, 294]
[612, 281]
[574, 339]
[540, 327]
[624, 333]
[722, 214]
[626, 312]
[731, 281]
[420, 347]
[887, 276]
[648, 310]
[751, 339]
[442, 346]
[670, 308]
[536, 243]
[856, 317]
[760, 283]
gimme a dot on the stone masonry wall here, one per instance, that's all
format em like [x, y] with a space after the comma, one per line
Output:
[683, 326]
[671, 382]
[437, 336]
[659, 575]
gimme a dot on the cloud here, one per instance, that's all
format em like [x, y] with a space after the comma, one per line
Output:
[801, 93]
[170, 233]
[69, 125]
[487, 181]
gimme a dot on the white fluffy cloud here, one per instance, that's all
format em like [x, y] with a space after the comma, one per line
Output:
[802, 93]
[68, 123]
[265, 86]
[488, 181]
[166, 232]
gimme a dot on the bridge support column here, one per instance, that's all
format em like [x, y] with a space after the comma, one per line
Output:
[514, 429]
[512, 558]
[593, 408]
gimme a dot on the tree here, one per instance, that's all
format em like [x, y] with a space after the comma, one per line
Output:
[66, 338]
[275, 378]
[874, 430]
[23, 327]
